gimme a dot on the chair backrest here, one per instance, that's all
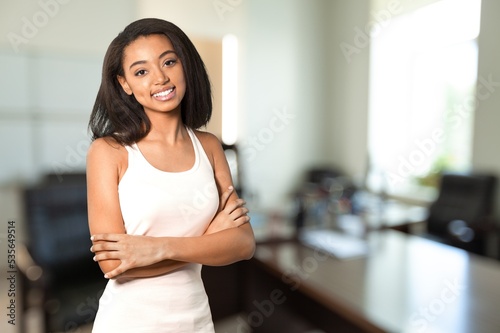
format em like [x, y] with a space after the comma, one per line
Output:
[59, 242]
[466, 197]
[57, 225]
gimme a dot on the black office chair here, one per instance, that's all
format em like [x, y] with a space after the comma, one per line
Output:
[462, 214]
[68, 282]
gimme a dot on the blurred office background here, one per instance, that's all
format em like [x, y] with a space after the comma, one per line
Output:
[388, 92]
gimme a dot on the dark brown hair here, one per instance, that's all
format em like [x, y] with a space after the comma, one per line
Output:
[119, 115]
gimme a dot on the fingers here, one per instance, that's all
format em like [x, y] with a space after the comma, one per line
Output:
[124, 264]
[241, 211]
[107, 246]
[236, 210]
[242, 220]
[106, 237]
[105, 250]
[107, 255]
[234, 205]
[225, 196]
[115, 272]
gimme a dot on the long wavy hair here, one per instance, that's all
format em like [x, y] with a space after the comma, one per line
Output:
[118, 115]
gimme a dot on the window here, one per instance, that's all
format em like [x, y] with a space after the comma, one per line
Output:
[422, 87]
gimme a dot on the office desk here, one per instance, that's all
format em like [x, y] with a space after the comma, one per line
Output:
[405, 284]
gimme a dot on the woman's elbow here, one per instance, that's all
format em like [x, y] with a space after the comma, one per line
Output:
[249, 250]
[248, 246]
[108, 265]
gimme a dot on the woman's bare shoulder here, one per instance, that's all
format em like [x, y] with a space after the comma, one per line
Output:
[208, 140]
[211, 145]
[105, 149]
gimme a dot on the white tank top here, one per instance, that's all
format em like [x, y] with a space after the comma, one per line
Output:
[161, 204]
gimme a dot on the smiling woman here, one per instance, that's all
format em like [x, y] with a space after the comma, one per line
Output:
[160, 197]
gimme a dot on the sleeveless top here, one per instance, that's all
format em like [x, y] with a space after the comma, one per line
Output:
[162, 204]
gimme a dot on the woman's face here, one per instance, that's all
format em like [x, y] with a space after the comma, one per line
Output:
[153, 74]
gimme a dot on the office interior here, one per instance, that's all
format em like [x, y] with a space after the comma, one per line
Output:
[303, 84]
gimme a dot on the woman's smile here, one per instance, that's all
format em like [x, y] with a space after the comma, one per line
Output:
[165, 94]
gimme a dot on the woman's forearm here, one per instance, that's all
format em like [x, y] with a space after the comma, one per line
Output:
[160, 268]
[217, 249]
[221, 248]
[151, 256]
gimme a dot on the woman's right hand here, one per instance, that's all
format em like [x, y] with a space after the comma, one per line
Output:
[230, 215]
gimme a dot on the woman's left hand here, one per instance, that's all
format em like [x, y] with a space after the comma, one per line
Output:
[132, 250]
[231, 214]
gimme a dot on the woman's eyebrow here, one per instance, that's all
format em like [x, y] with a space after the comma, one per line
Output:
[140, 62]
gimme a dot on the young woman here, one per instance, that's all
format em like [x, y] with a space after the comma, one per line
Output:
[160, 197]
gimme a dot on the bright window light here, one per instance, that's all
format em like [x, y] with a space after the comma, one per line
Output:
[229, 89]
[422, 81]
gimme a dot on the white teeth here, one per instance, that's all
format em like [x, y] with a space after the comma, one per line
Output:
[163, 93]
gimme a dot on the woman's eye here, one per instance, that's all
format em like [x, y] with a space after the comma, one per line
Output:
[170, 62]
[140, 72]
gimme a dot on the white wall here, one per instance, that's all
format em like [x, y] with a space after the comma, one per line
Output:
[406, 6]
[486, 155]
[63, 26]
[198, 18]
[348, 86]
[294, 66]
[284, 96]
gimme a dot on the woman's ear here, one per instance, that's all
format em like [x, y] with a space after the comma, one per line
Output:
[124, 84]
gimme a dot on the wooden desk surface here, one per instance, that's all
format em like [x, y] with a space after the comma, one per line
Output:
[405, 284]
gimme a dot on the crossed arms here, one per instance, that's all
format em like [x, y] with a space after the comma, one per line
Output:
[229, 237]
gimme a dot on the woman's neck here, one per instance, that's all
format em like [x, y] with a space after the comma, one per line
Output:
[166, 128]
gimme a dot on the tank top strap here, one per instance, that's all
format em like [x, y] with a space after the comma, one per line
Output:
[133, 154]
[199, 150]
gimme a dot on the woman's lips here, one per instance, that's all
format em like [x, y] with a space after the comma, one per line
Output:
[164, 95]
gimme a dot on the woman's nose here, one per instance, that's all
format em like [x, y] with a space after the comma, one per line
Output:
[162, 77]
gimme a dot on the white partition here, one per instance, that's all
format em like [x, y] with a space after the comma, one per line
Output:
[44, 110]
[65, 84]
[16, 150]
[14, 83]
